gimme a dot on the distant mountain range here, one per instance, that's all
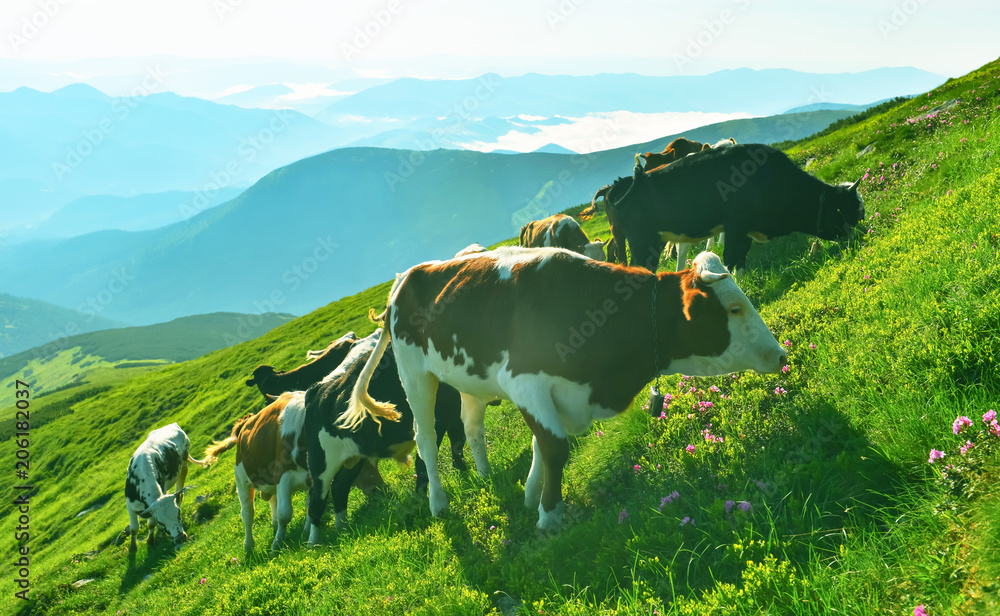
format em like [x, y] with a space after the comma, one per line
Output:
[27, 323]
[59, 146]
[326, 226]
[75, 358]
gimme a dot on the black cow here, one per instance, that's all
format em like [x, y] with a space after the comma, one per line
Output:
[752, 192]
[272, 383]
[337, 453]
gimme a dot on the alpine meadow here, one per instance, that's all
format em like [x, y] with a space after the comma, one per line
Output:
[863, 479]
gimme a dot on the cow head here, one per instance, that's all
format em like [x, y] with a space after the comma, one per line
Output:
[260, 374]
[595, 250]
[720, 331]
[165, 512]
[841, 208]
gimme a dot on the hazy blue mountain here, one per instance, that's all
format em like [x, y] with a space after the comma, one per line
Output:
[27, 323]
[261, 97]
[335, 223]
[554, 148]
[76, 141]
[758, 92]
[138, 213]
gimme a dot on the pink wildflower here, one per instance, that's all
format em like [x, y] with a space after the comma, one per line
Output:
[812, 346]
[995, 428]
[786, 368]
[966, 447]
[787, 343]
[690, 449]
[989, 416]
[935, 456]
[919, 610]
[203, 580]
[636, 468]
[960, 423]
[781, 391]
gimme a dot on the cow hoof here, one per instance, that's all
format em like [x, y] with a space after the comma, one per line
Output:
[314, 538]
[340, 520]
[550, 520]
[460, 465]
[438, 501]
[248, 547]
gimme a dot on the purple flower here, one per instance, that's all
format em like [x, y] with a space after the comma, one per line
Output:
[669, 499]
[622, 516]
[687, 520]
[961, 423]
[729, 505]
[989, 416]
[690, 449]
[744, 506]
[935, 456]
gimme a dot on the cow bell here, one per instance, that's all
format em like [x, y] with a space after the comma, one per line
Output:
[655, 401]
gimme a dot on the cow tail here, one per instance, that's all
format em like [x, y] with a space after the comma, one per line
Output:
[589, 213]
[217, 448]
[201, 463]
[362, 405]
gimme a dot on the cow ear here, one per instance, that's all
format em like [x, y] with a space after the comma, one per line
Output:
[148, 512]
[854, 186]
[251, 382]
[711, 277]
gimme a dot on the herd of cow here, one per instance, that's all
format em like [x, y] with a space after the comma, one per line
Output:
[567, 337]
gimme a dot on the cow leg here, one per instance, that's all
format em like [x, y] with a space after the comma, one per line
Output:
[341, 488]
[533, 484]
[151, 537]
[473, 415]
[421, 392]
[682, 255]
[181, 478]
[133, 526]
[457, 438]
[273, 502]
[246, 492]
[325, 461]
[553, 451]
[283, 495]
[734, 255]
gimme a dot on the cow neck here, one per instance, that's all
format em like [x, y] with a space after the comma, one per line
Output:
[819, 212]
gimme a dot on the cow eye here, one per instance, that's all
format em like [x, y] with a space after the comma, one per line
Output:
[736, 310]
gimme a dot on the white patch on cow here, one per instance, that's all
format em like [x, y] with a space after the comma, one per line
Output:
[508, 257]
[293, 416]
[680, 238]
[751, 344]
[336, 450]
[723, 143]
[471, 249]
[360, 347]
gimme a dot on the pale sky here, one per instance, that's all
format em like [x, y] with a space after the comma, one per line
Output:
[443, 38]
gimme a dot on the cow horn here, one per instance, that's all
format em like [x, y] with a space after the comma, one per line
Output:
[854, 186]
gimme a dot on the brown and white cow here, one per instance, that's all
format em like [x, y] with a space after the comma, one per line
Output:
[157, 466]
[567, 339]
[561, 231]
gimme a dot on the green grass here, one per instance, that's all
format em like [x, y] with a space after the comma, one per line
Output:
[890, 340]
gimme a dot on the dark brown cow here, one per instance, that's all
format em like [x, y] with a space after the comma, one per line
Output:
[560, 231]
[753, 192]
[272, 382]
[567, 339]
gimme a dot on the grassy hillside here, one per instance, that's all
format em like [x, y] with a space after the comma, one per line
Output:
[806, 493]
